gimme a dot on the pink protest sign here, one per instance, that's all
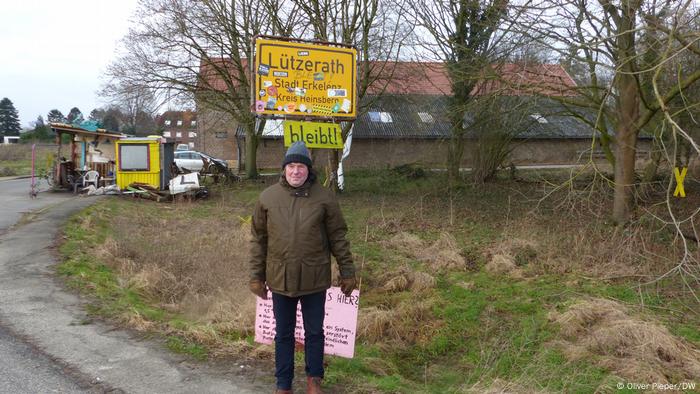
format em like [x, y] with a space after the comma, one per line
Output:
[340, 324]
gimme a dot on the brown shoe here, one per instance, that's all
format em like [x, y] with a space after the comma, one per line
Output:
[313, 385]
[280, 391]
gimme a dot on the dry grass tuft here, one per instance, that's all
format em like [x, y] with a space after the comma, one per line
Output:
[134, 320]
[406, 243]
[503, 264]
[422, 281]
[635, 349]
[407, 323]
[396, 284]
[407, 279]
[508, 256]
[444, 254]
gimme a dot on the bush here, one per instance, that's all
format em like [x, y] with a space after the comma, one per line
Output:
[410, 171]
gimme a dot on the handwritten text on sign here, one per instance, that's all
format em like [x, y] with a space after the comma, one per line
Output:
[340, 324]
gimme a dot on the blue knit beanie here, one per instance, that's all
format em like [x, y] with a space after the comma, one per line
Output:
[297, 153]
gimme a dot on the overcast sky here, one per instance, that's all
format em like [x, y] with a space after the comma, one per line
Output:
[53, 53]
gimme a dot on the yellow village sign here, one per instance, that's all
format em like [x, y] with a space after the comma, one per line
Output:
[314, 134]
[304, 79]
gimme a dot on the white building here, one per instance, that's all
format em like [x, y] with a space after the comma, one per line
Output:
[10, 139]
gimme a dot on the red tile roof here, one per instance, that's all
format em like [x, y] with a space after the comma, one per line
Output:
[428, 78]
[525, 80]
[173, 116]
[431, 78]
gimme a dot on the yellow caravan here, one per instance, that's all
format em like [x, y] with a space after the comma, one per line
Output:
[143, 160]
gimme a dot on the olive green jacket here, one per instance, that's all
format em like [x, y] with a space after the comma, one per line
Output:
[295, 230]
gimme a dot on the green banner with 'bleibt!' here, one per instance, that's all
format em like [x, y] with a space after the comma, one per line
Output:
[314, 134]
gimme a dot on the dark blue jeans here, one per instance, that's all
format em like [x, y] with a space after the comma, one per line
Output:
[313, 310]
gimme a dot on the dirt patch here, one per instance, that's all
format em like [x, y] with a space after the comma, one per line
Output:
[635, 349]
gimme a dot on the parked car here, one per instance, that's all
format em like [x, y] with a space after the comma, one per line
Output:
[194, 161]
[180, 147]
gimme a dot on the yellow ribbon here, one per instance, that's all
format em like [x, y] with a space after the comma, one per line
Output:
[680, 176]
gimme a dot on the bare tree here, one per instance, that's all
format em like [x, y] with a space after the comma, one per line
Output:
[467, 36]
[199, 50]
[137, 103]
[622, 39]
[376, 28]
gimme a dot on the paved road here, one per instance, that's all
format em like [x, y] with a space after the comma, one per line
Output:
[14, 196]
[23, 367]
[48, 344]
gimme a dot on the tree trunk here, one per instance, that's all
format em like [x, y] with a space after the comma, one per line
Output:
[625, 147]
[628, 110]
[624, 175]
[334, 160]
[455, 151]
[251, 149]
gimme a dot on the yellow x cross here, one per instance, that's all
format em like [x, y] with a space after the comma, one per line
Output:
[680, 176]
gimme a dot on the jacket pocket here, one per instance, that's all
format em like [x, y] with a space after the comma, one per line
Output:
[275, 274]
[315, 274]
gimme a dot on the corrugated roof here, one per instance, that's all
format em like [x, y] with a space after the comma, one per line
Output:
[545, 119]
[405, 121]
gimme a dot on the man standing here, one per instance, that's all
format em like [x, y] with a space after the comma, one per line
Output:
[297, 224]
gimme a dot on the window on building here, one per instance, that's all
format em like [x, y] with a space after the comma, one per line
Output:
[179, 123]
[383, 117]
[133, 157]
[191, 145]
[167, 122]
[193, 123]
[178, 135]
[166, 134]
[426, 117]
[221, 134]
[539, 118]
[192, 134]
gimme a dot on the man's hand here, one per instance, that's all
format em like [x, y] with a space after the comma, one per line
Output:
[258, 288]
[347, 285]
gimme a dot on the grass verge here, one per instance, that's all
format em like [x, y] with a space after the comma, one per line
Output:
[462, 291]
